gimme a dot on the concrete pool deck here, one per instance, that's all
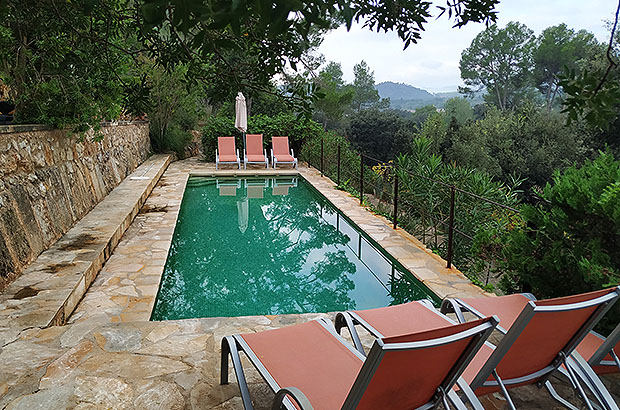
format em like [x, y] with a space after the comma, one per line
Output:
[109, 355]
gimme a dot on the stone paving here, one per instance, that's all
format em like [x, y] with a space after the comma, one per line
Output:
[110, 356]
[48, 290]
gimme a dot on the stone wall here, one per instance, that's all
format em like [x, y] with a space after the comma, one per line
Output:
[49, 180]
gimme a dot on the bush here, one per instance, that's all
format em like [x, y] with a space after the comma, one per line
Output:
[349, 158]
[218, 126]
[380, 134]
[298, 129]
[570, 243]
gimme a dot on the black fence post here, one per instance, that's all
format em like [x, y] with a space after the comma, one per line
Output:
[361, 178]
[338, 174]
[321, 155]
[451, 227]
[395, 199]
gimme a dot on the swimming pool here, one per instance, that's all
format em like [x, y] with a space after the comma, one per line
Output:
[257, 246]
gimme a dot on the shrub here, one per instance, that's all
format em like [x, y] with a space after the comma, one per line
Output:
[426, 206]
[218, 126]
[571, 242]
[380, 134]
[349, 158]
[528, 141]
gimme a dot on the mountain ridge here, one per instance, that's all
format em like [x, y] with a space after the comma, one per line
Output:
[408, 97]
[402, 91]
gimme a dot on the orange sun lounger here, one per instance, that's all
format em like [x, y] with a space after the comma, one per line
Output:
[280, 153]
[557, 329]
[310, 366]
[254, 153]
[539, 341]
[226, 152]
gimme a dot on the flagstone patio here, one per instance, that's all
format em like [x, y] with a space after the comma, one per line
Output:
[109, 355]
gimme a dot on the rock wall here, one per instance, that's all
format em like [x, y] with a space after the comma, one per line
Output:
[49, 180]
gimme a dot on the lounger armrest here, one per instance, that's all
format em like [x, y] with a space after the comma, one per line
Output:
[265, 153]
[238, 154]
[344, 319]
[292, 153]
[295, 394]
[453, 306]
[216, 153]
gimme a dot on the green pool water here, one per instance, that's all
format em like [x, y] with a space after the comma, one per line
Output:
[273, 246]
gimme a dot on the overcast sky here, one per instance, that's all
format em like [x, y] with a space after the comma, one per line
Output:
[433, 63]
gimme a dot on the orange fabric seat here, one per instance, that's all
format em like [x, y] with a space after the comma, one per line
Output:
[540, 336]
[280, 151]
[255, 158]
[226, 152]
[506, 308]
[228, 158]
[551, 328]
[254, 150]
[413, 317]
[590, 345]
[297, 355]
[404, 318]
[285, 158]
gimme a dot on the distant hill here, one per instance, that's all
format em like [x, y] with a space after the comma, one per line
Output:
[400, 91]
[407, 97]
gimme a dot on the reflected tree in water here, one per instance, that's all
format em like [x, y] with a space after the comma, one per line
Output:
[289, 270]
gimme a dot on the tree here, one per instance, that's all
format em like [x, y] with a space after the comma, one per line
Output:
[594, 93]
[174, 108]
[499, 60]
[68, 62]
[365, 95]
[336, 98]
[420, 115]
[459, 109]
[569, 242]
[557, 50]
[527, 141]
[275, 34]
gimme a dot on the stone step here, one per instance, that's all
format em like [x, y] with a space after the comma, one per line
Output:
[49, 289]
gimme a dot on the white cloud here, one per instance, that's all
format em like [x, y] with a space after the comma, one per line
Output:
[433, 63]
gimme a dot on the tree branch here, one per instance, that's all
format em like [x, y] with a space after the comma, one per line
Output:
[612, 63]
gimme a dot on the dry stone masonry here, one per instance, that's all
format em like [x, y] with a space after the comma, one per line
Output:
[49, 180]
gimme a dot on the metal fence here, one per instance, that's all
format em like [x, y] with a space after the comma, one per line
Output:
[378, 185]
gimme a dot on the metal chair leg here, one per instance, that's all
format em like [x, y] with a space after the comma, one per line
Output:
[229, 347]
[504, 390]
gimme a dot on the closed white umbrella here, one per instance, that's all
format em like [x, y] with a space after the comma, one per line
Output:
[241, 115]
